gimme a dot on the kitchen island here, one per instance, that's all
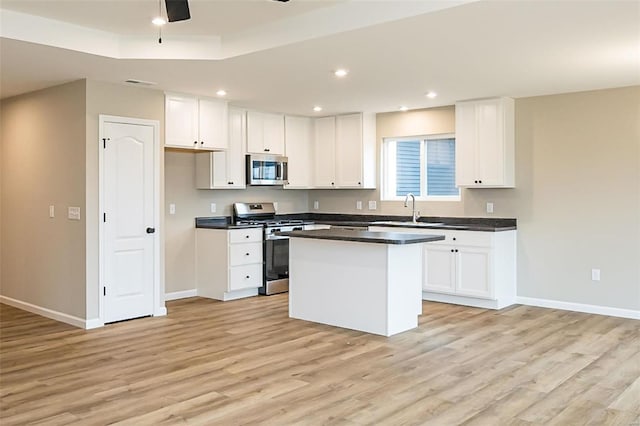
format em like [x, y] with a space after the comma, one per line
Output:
[362, 280]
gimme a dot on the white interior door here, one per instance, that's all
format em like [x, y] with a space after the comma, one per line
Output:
[129, 228]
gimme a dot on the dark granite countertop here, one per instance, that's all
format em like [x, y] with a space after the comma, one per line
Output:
[221, 222]
[364, 236]
[484, 224]
[361, 220]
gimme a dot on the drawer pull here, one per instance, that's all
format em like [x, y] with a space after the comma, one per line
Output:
[246, 254]
[246, 236]
[247, 277]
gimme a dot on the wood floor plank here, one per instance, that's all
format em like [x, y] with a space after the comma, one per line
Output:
[245, 362]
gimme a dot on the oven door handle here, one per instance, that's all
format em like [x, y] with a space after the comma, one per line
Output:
[277, 237]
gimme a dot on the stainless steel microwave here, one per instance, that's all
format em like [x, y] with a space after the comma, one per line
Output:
[266, 169]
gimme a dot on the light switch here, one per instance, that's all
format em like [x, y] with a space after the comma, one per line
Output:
[373, 205]
[73, 213]
[275, 205]
[489, 207]
[595, 275]
[52, 211]
[172, 208]
[214, 208]
[358, 205]
[316, 205]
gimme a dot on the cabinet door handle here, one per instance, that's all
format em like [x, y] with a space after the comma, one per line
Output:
[247, 277]
[451, 250]
[454, 238]
[201, 142]
[151, 230]
[479, 181]
[266, 150]
[456, 250]
[246, 254]
[229, 183]
[195, 142]
[246, 236]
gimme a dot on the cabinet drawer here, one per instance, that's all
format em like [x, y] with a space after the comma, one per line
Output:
[246, 276]
[245, 254]
[251, 235]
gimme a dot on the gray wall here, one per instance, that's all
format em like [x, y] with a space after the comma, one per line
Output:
[577, 195]
[190, 202]
[43, 157]
[125, 101]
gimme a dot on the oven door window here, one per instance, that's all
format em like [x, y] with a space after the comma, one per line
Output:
[276, 259]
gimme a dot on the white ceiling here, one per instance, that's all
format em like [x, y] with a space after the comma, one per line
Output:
[282, 59]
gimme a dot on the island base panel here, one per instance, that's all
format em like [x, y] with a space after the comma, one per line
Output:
[367, 287]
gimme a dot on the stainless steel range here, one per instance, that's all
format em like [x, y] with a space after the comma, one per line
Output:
[275, 246]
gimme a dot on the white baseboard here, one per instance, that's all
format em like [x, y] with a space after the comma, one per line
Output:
[579, 307]
[45, 312]
[181, 294]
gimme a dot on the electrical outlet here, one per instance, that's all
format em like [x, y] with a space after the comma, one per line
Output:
[489, 207]
[275, 206]
[172, 208]
[214, 208]
[595, 275]
[73, 213]
[373, 205]
[316, 205]
[52, 211]
[358, 205]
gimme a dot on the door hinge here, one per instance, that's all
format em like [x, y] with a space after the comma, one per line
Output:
[104, 290]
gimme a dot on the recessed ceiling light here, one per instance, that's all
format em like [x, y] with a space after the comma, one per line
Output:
[431, 94]
[221, 92]
[317, 108]
[341, 72]
[158, 21]
[404, 108]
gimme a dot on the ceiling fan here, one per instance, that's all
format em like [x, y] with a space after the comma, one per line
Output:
[178, 10]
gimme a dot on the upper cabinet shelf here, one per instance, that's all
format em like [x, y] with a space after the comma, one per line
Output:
[485, 143]
[195, 123]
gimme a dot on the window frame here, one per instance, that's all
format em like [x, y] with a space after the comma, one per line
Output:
[388, 181]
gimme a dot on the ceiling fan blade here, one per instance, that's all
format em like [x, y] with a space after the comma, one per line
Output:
[177, 10]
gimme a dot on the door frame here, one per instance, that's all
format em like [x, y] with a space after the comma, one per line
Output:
[158, 299]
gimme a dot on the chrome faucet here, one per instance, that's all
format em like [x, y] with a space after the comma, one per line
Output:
[414, 214]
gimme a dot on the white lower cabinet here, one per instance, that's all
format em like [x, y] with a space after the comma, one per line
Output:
[472, 268]
[229, 262]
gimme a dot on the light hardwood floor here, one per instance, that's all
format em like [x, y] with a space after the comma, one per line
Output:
[246, 362]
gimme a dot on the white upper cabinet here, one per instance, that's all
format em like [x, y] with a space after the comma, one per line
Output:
[265, 133]
[298, 137]
[325, 152]
[225, 169]
[485, 143]
[195, 123]
[345, 151]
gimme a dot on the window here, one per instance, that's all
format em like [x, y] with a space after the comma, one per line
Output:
[424, 166]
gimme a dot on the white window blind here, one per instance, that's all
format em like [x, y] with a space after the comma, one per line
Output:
[423, 166]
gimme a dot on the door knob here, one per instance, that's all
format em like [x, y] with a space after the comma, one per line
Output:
[151, 230]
